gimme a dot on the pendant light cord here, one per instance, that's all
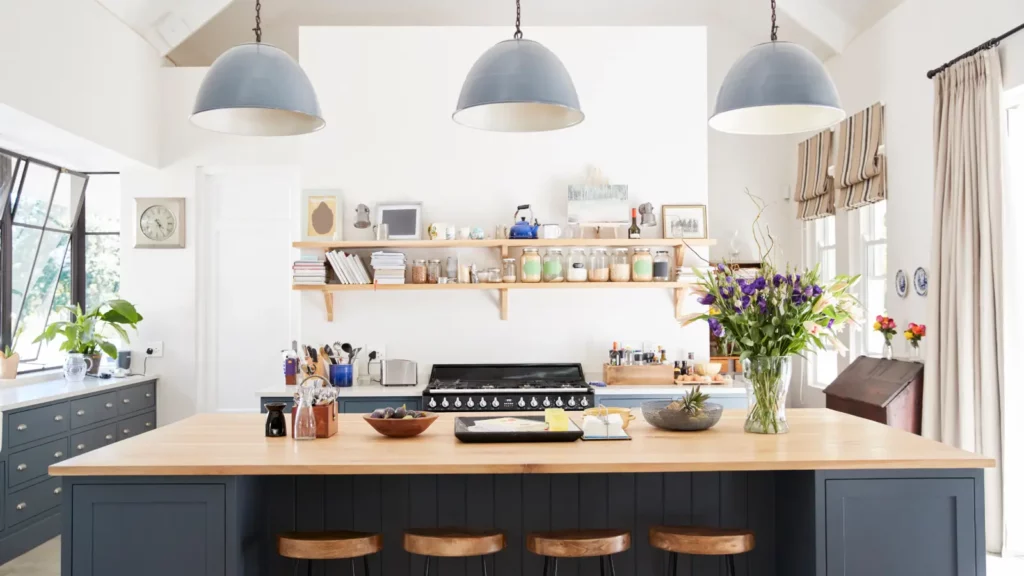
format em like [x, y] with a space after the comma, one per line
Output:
[775, 27]
[519, 33]
[259, 31]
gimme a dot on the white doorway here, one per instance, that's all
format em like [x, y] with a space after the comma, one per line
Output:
[244, 282]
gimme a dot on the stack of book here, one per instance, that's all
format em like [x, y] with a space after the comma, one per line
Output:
[388, 267]
[309, 271]
[348, 268]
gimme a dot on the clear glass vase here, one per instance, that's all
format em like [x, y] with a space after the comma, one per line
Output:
[915, 352]
[76, 366]
[887, 350]
[767, 380]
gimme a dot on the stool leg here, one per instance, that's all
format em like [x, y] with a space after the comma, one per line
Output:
[673, 559]
[600, 560]
[483, 565]
[309, 568]
[554, 567]
[426, 566]
[353, 563]
[366, 566]
[611, 564]
[730, 565]
[547, 562]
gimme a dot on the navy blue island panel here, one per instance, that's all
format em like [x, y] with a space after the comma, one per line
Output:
[821, 523]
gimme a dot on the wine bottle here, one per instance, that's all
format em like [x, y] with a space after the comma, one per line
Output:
[634, 230]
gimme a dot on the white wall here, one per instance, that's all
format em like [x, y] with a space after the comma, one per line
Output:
[73, 65]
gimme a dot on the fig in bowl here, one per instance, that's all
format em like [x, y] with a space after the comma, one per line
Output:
[400, 422]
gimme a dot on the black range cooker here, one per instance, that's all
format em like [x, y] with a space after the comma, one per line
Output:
[506, 387]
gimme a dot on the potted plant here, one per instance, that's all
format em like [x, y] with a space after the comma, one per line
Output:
[9, 359]
[84, 338]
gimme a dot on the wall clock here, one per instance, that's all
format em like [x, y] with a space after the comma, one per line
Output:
[159, 222]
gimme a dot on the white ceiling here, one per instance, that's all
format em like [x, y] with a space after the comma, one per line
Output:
[195, 32]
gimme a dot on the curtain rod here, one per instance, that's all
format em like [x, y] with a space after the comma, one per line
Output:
[990, 44]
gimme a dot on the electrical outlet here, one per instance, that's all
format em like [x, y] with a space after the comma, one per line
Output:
[155, 349]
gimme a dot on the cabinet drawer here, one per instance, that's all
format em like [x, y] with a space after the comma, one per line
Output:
[32, 463]
[136, 398]
[37, 423]
[93, 409]
[88, 441]
[32, 501]
[137, 425]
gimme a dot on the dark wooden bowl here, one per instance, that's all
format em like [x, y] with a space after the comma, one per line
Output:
[401, 428]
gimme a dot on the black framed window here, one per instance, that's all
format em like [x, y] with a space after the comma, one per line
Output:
[59, 246]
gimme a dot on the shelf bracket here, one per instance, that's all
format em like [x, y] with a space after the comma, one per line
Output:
[679, 300]
[503, 301]
[329, 303]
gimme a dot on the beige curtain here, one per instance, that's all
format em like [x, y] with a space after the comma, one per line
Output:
[963, 397]
[815, 189]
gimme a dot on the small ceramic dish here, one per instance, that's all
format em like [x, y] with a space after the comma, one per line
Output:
[401, 427]
[657, 414]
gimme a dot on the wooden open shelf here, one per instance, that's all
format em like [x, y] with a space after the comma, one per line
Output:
[679, 289]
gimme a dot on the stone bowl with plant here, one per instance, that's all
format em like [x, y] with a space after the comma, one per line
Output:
[86, 333]
[691, 413]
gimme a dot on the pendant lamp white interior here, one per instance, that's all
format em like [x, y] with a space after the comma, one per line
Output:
[776, 88]
[518, 86]
[257, 89]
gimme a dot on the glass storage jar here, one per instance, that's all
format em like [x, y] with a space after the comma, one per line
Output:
[508, 270]
[419, 271]
[643, 265]
[530, 266]
[433, 271]
[662, 267]
[576, 266]
[493, 275]
[620, 265]
[554, 270]
[598, 265]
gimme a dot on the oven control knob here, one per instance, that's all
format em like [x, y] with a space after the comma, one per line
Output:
[458, 403]
[433, 403]
[522, 403]
[546, 402]
[558, 401]
[483, 402]
[571, 402]
[470, 403]
[583, 402]
[495, 403]
[444, 403]
[533, 402]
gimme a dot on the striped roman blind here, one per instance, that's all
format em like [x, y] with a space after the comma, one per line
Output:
[860, 169]
[815, 190]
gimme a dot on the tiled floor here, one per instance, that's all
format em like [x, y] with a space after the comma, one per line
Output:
[45, 561]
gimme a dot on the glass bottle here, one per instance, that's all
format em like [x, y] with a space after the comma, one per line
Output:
[576, 267]
[75, 367]
[304, 425]
[508, 270]
[598, 265]
[643, 265]
[553, 265]
[620, 265]
[661, 266]
[419, 271]
[433, 271]
[530, 266]
[634, 230]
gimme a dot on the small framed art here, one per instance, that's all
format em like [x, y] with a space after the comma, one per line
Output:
[687, 222]
[321, 212]
[404, 220]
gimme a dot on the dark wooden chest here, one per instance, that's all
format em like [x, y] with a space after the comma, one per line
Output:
[886, 391]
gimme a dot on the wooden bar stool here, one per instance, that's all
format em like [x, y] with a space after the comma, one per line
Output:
[311, 546]
[701, 541]
[577, 544]
[453, 543]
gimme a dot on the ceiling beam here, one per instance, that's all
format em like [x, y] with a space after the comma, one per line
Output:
[831, 29]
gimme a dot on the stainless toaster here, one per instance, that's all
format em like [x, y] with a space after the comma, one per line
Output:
[399, 373]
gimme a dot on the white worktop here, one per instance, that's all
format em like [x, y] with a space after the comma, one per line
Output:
[667, 391]
[356, 391]
[18, 394]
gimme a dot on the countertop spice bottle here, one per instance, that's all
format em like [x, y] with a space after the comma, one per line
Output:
[690, 364]
[661, 266]
[643, 265]
[419, 271]
[508, 270]
[433, 271]
[452, 268]
[620, 265]
[598, 265]
[529, 266]
[576, 269]
[554, 268]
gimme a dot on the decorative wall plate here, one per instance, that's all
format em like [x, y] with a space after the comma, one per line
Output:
[901, 283]
[921, 282]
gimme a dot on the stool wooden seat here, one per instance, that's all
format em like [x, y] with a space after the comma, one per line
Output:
[453, 543]
[701, 541]
[337, 545]
[577, 544]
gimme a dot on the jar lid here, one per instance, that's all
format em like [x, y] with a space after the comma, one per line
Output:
[600, 249]
[648, 250]
[415, 262]
[559, 250]
[512, 260]
[577, 250]
[434, 261]
[622, 249]
[663, 252]
[529, 249]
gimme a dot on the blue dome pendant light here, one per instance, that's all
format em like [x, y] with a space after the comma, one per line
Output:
[256, 89]
[776, 88]
[518, 86]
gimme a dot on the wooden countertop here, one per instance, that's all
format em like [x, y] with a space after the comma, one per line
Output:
[234, 444]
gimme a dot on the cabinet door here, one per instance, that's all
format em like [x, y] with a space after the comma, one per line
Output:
[151, 529]
[901, 526]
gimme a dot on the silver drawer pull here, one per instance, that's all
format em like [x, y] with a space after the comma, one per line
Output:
[58, 418]
[22, 467]
[149, 394]
[57, 490]
[109, 404]
[58, 454]
[21, 506]
[22, 427]
[126, 400]
[126, 431]
[109, 437]
[80, 412]
[149, 424]
[80, 447]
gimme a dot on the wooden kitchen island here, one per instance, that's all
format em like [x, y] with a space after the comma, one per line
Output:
[837, 496]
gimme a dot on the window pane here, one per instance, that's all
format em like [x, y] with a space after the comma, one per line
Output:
[102, 267]
[828, 265]
[39, 296]
[826, 367]
[103, 203]
[26, 241]
[878, 220]
[35, 195]
[876, 260]
[66, 200]
[10, 169]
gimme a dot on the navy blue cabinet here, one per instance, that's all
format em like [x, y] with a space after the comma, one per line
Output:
[362, 405]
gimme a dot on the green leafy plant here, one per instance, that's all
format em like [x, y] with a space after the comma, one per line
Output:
[692, 402]
[83, 334]
[8, 349]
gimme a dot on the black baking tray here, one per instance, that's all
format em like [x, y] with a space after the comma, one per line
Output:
[463, 433]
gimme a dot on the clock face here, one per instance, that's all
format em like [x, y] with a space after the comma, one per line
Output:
[157, 223]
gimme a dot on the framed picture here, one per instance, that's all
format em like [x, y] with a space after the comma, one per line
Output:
[403, 220]
[687, 222]
[605, 205]
[159, 222]
[321, 212]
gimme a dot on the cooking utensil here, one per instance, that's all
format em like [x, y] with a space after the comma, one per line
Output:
[354, 355]
[329, 355]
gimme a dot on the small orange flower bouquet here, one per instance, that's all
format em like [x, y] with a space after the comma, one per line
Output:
[914, 333]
